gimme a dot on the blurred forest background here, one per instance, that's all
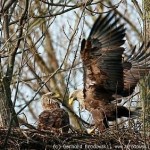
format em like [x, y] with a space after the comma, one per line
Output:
[40, 44]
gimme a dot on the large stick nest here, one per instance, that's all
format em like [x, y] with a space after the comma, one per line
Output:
[34, 139]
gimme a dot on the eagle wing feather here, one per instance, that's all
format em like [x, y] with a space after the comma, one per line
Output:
[102, 55]
[135, 68]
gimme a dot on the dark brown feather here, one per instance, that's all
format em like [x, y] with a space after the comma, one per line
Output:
[106, 73]
[139, 67]
[102, 56]
[52, 120]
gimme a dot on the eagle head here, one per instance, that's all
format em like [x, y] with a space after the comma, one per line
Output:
[78, 96]
[49, 101]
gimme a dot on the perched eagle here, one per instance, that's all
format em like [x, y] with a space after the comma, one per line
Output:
[109, 72]
[53, 118]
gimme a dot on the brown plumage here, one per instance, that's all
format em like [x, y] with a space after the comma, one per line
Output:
[107, 74]
[53, 118]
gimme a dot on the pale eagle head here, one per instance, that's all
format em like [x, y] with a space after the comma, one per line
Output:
[78, 96]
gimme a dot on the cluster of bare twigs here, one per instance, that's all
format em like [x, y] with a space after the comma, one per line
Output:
[111, 139]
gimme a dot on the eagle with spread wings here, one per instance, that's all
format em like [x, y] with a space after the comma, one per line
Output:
[108, 71]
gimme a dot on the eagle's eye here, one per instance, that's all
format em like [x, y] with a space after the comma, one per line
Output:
[49, 101]
[52, 93]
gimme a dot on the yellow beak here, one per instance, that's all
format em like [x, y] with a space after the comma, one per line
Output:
[56, 95]
[71, 101]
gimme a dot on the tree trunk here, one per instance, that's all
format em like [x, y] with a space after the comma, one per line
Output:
[7, 111]
[145, 83]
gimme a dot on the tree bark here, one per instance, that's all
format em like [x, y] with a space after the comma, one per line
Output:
[145, 87]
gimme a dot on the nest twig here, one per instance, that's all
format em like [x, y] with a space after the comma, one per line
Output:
[34, 139]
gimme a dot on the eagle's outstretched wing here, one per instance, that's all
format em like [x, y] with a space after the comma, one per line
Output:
[101, 54]
[105, 70]
[136, 66]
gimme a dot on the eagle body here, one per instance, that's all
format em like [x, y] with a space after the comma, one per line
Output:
[53, 118]
[56, 120]
[108, 71]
